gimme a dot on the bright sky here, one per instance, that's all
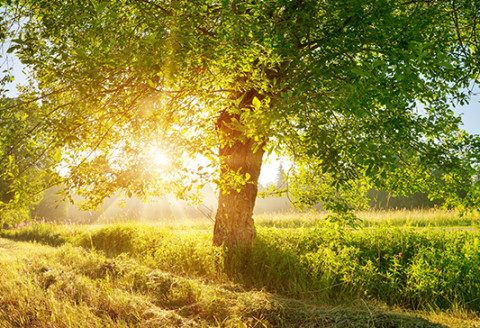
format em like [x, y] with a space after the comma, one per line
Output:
[470, 116]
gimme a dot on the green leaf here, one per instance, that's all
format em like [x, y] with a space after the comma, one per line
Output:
[58, 155]
[13, 48]
[256, 103]
[151, 84]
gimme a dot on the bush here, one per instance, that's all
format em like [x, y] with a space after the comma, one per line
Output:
[48, 234]
[10, 218]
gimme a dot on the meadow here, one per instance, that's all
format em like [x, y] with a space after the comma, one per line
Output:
[394, 269]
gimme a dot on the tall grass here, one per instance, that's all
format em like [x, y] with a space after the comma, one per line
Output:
[70, 287]
[433, 217]
[403, 266]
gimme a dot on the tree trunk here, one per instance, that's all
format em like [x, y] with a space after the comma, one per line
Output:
[234, 219]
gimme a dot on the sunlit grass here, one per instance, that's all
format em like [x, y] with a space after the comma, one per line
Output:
[68, 286]
[434, 217]
[420, 218]
[300, 269]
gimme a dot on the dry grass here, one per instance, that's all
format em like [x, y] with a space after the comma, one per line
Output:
[42, 287]
[67, 286]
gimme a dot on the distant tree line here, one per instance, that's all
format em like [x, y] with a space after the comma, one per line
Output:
[383, 200]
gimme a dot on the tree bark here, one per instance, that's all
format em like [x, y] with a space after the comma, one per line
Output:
[234, 223]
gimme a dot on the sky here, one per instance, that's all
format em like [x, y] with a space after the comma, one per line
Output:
[470, 116]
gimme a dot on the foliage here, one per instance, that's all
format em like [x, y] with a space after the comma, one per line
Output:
[27, 160]
[51, 207]
[353, 91]
[12, 217]
[383, 200]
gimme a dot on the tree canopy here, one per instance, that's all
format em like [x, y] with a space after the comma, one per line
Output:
[355, 92]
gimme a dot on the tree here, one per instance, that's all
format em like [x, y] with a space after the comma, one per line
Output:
[281, 182]
[51, 207]
[349, 89]
[26, 160]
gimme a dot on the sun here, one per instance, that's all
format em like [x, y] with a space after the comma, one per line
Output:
[161, 159]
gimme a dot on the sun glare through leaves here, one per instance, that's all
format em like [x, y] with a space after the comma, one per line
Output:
[161, 159]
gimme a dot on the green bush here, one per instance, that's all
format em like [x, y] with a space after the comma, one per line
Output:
[113, 240]
[48, 234]
[12, 217]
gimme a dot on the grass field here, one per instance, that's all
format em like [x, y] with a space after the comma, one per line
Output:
[396, 269]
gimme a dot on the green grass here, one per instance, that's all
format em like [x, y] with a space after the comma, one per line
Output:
[301, 272]
[399, 218]
[420, 218]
